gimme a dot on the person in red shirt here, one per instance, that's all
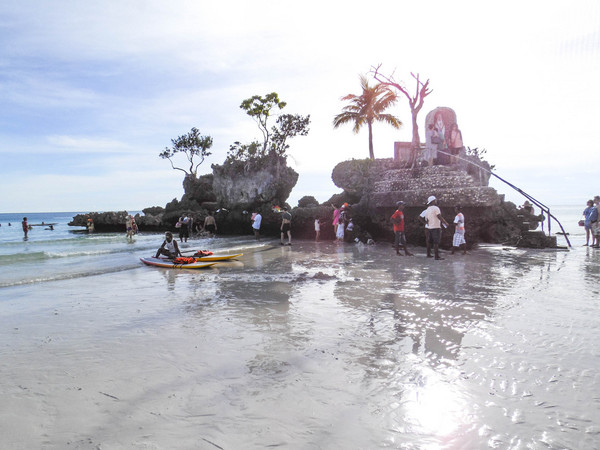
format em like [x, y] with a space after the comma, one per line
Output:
[25, 226]
[398, 221]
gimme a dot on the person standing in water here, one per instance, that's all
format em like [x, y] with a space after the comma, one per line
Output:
[590, 214]
[459, 232]
[129, 226]
[400, 237]
[210, 225]
[25, 226]
[434, 219]
[286, 226]
[317, 229]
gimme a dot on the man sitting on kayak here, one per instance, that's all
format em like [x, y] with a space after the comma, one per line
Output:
[169, 247]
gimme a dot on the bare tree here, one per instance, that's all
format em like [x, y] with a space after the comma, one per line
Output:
[415, 101]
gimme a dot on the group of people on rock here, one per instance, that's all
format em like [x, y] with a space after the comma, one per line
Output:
[591, 222]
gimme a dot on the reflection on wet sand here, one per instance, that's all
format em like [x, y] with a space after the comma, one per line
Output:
[355, 345]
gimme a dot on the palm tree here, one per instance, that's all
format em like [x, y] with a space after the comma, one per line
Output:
[367, 108]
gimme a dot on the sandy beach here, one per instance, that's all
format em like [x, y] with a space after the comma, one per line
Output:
[316, 345]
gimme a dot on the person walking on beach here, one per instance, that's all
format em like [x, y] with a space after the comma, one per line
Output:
[256, 220]
[210, 225]
[286, 226]
[25, 226]
[169, 247]
[589, 214]
[400, 237]
[459, 231]
[434, 219]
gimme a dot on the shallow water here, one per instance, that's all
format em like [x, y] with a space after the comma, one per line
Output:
[309, 346]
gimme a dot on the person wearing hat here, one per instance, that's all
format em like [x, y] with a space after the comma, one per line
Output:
[400, 237]
[169, 247]
[434, 219]
[528, 208]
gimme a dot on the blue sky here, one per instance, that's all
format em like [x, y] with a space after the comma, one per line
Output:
[93, 91]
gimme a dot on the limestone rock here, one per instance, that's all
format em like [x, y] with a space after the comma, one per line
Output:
[246, 184]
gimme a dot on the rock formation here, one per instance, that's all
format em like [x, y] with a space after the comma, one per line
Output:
[372, 188]
[232, 192]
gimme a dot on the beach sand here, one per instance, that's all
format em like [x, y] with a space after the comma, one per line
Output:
[316, 345]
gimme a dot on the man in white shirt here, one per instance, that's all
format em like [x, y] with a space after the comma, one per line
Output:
[434, 219]
[256, 220]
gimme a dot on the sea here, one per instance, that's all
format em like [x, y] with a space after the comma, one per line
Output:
[65, 252]
[314, 345]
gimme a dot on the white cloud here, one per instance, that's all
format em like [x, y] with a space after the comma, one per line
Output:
[97, 88]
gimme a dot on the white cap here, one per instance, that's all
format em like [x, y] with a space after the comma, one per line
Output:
[430, 199]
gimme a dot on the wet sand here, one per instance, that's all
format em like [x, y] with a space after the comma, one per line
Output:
[309, 346]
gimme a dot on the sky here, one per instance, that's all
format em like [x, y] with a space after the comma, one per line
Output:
[93, 91]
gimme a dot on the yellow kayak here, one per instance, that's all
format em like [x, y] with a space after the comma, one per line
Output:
[169, 264]
[216, 257]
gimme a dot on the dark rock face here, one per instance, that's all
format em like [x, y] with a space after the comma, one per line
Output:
[373, 188]
[114, 221]
[198, 189]
[246, 184]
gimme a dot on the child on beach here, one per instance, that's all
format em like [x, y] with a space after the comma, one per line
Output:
[459, 232]
[169, 247]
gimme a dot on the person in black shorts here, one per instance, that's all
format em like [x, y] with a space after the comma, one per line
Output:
[286, 226]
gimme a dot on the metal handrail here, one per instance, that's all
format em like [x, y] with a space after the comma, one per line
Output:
[539, 204]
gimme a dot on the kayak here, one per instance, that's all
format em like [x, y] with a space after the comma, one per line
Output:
[169, 264]
[209, 258]
[217, 257]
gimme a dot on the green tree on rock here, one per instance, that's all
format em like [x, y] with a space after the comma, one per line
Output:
[367, 108]
[261, 109]
[195, 148]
